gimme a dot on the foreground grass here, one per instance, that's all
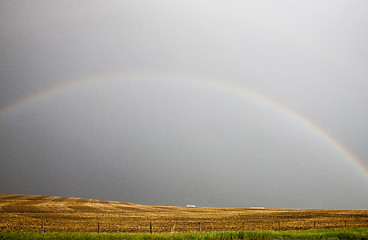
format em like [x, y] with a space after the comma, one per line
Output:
[333, 233]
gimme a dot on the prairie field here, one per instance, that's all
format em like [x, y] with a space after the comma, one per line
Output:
[25, 213]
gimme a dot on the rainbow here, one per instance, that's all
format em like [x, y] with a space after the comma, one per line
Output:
[233, 88]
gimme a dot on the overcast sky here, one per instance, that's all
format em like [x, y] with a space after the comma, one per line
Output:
[211, 103]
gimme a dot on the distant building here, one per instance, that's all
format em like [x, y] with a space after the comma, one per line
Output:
[191, 206]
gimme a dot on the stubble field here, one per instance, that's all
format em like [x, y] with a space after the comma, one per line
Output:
[59, 214]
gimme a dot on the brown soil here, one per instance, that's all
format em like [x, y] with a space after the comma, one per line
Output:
[61, 214]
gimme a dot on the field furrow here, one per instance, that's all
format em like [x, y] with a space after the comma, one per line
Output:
[67, 214]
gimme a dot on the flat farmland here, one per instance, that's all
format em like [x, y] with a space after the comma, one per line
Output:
[67, 214]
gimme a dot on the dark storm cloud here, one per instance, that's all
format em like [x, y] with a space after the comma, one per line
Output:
[161, 139]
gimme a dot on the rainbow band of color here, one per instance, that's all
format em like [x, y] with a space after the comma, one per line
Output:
[234, 88]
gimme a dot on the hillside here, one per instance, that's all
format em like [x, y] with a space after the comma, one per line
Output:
[27, 213]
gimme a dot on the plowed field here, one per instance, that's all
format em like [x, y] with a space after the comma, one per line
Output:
[61, 214]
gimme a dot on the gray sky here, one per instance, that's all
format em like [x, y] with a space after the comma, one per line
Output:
[211, 103]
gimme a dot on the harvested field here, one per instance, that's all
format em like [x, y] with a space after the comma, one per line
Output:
[61, 214]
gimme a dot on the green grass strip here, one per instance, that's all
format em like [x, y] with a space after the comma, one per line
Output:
[328, 234]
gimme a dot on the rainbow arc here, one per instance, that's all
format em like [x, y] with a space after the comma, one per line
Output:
[239, 90]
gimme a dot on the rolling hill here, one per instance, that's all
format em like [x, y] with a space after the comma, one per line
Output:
[68, 214]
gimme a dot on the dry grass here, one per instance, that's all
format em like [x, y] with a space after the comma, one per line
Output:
[59, 214]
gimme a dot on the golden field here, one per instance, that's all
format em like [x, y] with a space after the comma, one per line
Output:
[62, 214]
